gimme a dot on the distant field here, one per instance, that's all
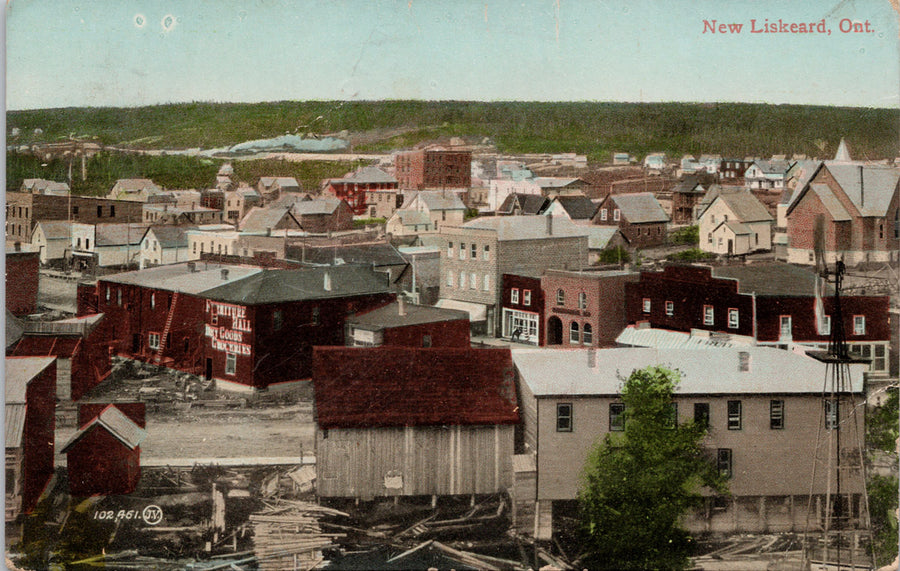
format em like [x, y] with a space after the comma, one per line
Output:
[595, 129]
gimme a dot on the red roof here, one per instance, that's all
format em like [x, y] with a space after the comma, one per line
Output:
[359, 387]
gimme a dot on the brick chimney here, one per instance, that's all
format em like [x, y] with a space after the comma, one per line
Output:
[224, 273]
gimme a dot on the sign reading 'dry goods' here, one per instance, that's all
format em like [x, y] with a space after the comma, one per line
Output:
[229, 339]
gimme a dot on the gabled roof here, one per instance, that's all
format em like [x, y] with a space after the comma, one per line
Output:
[14, 328]
[171, 236]
[280, 286]
[690, 185]
[119, 234]
[773, 167]
[830, 202]
[259, 219]
[600, 236]
[436, 200]
[640, 207]
[19, 372]
[736, 228]
[404, 386]
[324, 206]
[136, 184]
[577, 206]
[282, 181]
[368, 175]
[389, 316]
[527, 203]
[869, 187]
[704, 371]
[412, 217]
[526, 227]
[556, 182]
[55, 229]
[377, 254]
[116, 423]
[746, 207]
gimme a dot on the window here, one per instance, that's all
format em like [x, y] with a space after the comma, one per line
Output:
[875, 353]
[474, 252]
[473, 281]
[514, 295]
[825, 327]
[587, 336]
[709, 316]
[277, 320]
[734, 415]
[449, 249]
[107, 293]
[709, 238]
[230, 363]
[316, 314]
[670, 308]
[617, 214]
[564, 417]
[486, 253]
[582, 301]
[78, 243]
[195, 247]
[603, 215]
[526, 297]
[99, 211]
[152, 301]
[112, 210]
[153, 341]
[724, 462]
[616, 417]
[733, 318]
[450, 278]
[462, 251]
[645, 305]
[486, 283]
[701, 414]
[426, 340]
[462, 280]
[87, 243]
[776, 414]
[859, 324]
[831, 414]
[786, 326]
[119, 297]
[573, 332]
[560, 297]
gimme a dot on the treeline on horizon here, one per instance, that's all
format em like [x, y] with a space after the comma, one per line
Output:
[592, 128]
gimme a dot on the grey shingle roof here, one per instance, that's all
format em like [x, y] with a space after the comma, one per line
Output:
[704, 371]
[19, 372]
[317, 206]
[526, 227]
[380, 254]
[389, 316]
[56, 229]
[774, 167]
[640, 207]
[120, 234]
[113, 420]
[260, 219]
[870, 187]
[527, 203]
[178, 277]
[578, 207]
[831, 202]
[770, 278]
[412, 217]
[736, 228]
[171, 236]
[438, 200]
[369, 175]
[277, 286]
[746, 207]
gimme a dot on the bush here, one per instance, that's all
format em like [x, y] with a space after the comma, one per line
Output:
[692, 255]
[363, 222]
[617, 255]
[689, 235]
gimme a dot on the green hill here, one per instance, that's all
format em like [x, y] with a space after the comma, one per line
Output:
[595, 129]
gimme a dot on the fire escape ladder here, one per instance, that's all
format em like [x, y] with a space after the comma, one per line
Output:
[167, 328]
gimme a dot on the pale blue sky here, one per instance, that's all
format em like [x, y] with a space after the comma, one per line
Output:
[137, 52]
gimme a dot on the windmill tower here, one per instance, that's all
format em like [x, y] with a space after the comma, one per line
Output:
[838, 528]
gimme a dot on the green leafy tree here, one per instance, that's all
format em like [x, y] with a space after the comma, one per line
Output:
[617, 255]
[882, 426]
[638, 484]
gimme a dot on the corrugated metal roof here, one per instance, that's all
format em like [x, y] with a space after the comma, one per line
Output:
[278, 286]
[831, 203]
[703, 371]
[14, 424]
[19, 372]
[526, 227]
[113, 420]
[640, 207]
[664, 339]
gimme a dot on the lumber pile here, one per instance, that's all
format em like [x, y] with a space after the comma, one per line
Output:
[287, 534]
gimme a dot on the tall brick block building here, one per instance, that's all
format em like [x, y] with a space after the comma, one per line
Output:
[433, 168]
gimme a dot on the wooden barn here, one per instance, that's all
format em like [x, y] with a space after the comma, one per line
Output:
[401, 421]
[103, 456]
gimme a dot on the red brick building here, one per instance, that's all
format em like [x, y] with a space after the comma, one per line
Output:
[584, 309]
[522, 302]
[30, 424]
[772, 303]
[639, 217]
[103, 456]
[245, 326]
[22, 267]
[408, 325]
[433, 168]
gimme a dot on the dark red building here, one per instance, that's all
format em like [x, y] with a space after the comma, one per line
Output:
[81, 346]
[103, 456]
[30, 424]
[22, 266]
[639, 216]
[771, 302]
[433, 168]
[245, 326]
[522, 300]
[353, 187]
[408, 325]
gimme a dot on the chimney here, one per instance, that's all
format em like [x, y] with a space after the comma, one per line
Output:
[327, 282]
[192, 267]
[401, 306]
[549, 225]
[862, 190]
[18, 246]
[592, 358]
[268, 231]
[224, 273]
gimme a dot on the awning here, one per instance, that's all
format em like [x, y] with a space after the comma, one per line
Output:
[476, 311]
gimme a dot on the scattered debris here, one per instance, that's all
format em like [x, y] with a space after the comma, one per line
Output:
[287, 534]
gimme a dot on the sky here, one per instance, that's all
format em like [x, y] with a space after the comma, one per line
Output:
[64, 53]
